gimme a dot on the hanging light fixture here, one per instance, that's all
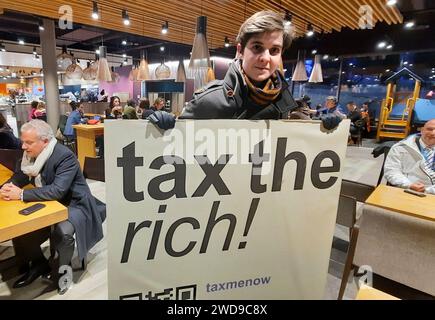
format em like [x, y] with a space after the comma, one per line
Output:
[2, 47]
[310, 30]
[103, 73]
[288, 18]
[300, 73]
[90, 73]
[165, 27]
[34, 51]
[125, 17]
[64, 59]
[181, 72]
[74, 71]
[41, 26]
[200, 59]
[133, 73]
[162, 71]
[95, 14]
[115, 76]
[226, 42]
[144, 72]
[316, 74]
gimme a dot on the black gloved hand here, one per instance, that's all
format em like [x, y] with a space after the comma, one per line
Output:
[330, 121]
[162, 119]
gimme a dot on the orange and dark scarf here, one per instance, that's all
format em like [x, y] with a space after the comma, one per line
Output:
[266, 95]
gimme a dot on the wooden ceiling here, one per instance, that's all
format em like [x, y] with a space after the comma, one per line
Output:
[224, 16]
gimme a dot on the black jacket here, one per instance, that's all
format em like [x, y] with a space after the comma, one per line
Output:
[9, 141]
[63, 180]
[228, 99]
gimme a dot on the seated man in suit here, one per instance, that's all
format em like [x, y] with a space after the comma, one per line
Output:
[56, 173]
[411, 163]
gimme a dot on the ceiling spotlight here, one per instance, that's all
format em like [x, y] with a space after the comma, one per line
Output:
[21, 42]
[382, 44]
[336, 59]
[40, 25]
[36, 57]
[391, 2]
[125, 61]
[124, 55]
[2, 47]
[405, 63]
[226, 42]
[288, 18]
[125, 17]
[411, 65]
[34, 50]
[364, 68]
[325, 57]
[351, 64]
[433, 71]
[388, 70]
[165, 27]
[95, 14]
[314, 51]
[310, 30]
[162, 48]
[124, 42]
[409, 24]
[97, 51]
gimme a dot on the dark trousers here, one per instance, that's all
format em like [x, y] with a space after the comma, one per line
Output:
[28, 246]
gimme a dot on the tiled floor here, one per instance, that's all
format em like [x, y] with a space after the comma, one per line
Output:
[92, 284]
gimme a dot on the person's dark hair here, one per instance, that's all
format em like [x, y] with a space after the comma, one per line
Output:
[3, 122]
[34, 104]
[113, 99]
[351, 103]
[103, 92]
[131, 103]
[300, 104]
[144, 104]
[74, 105]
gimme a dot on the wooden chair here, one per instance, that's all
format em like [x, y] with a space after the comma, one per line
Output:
[396, 246]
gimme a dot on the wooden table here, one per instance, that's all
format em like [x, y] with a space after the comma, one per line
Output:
[13, 224]
[395, 199]
[86, 140]
[369, 293]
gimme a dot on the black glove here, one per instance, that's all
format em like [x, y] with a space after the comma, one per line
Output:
[330, 121]
[162, 119]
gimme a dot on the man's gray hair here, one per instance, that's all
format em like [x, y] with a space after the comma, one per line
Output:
[265, 21]
[42, 128]
[332, 98]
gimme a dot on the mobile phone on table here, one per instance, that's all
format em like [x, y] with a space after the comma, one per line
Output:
[415, 193]
[31, 209]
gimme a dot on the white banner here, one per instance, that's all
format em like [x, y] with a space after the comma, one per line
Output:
[221, 209]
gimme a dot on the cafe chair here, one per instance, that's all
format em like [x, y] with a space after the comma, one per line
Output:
[94, 169]
[10, 157]
[396, 246]
[382, 149]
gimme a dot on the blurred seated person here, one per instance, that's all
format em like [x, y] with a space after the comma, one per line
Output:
[365, 114]
[301, 112]
[7, 137]
[75, 117]
[56, 174]
[130, 110]
[114, 111]
[40, 112]
[331, 108]
[159, 104]
[33, 108]
[410, 164]
[144, 106]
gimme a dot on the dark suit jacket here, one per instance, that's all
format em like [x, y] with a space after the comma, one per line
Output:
[63, 180]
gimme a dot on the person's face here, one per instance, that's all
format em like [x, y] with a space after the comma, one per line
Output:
[116, 102]
[160, 105]
[81, 109]
[349, 107]
[261, 55]
[32, 144]
[428, 133]
[330, 104]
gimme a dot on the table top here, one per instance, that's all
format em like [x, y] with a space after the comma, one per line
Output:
[89, 127]
[5, 174]
[397, 200]
[13, 224]
[369, 293]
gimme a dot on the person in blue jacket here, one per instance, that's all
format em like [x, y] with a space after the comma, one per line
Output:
[75, 117]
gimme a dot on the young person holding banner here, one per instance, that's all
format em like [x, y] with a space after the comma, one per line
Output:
[254, 86]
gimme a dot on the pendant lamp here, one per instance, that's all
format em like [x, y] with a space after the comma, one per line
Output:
[181, 72]
[115, 76]
[144, 72]
[133, 73]
[300, 73]
[210, 75]
[90, 73]
[64, 59]
[162, 71]
[200, 59]
[74, 71]
[103, 73]
[316, 74]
